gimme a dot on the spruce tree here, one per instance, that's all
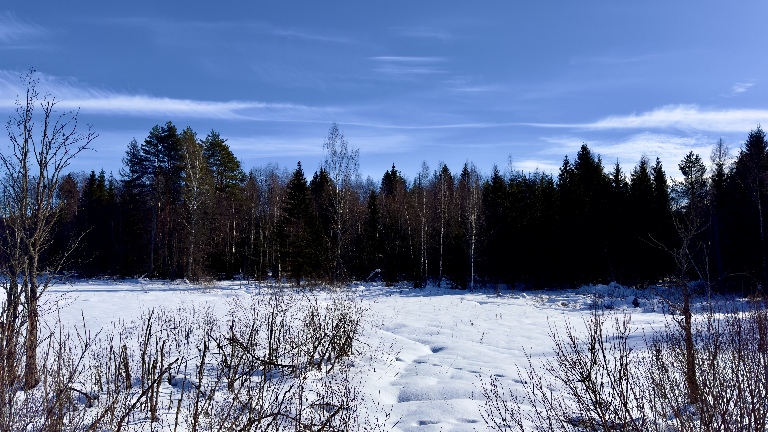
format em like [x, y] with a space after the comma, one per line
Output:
[749, 178]
[496, 228]
[324, 234]
[295, 228]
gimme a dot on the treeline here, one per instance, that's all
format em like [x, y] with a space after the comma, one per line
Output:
[183, 207]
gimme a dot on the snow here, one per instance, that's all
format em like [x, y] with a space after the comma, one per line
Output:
[424, 352]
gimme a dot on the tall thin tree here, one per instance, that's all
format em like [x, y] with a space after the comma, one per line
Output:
[33, 164]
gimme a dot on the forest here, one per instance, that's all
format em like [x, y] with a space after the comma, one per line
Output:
[184, 207]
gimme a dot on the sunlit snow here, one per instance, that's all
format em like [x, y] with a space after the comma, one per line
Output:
[424, 352]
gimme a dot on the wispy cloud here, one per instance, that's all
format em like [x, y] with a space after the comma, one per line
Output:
[424, 33]
[403, 65]
[17, 33]
[739, 88]
[685, 117]
[303, 34]
[74, 95]
[611, 59]
[532, 165]
[628, 150]
[182, 29]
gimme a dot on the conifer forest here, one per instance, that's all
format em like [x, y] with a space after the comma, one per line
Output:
[182, 206]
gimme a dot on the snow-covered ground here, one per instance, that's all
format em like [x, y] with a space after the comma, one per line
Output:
[424, 351]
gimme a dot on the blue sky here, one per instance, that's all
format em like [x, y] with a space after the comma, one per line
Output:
[407, 82]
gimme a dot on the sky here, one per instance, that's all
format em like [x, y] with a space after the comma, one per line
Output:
[516, 84]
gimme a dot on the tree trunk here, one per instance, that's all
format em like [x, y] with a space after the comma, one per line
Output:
[31, 378]
[691, 380]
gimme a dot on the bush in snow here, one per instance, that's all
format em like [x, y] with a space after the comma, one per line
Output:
[276, 361]
[608, 381]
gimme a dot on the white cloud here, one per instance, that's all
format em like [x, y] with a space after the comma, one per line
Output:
[741, 87]
[403, 59]
[628, 150]
[402, 65]
[424, 33]
[610, 59]
[685, 117]
[73, 95]
[14, 30]
[531, 165]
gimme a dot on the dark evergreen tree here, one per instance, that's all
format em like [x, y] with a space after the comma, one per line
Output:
[495, 230]
[663, 232]
[226, 251]
[617, 206]
[398, 260]
[748, 188]
[96, 221]
[641, 224]
[134, 200]
[372, 247]
[691, 218]
[163, 156]
[66, 232]
[324, 235]
[719, 208]
[583, 189]
[295, 230]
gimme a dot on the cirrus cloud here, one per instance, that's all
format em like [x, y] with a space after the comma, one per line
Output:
[685, 117]
[70, 94]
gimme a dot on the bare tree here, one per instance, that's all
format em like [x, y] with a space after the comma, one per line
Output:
[420, 190]
[470, 191]
[444, 190]
[197, 193]
[343, 166]
[40, 146]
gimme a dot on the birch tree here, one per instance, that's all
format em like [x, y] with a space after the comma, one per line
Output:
[470, 198]
[41, 144]
[444, 191]
[343, 167]
[198, 188]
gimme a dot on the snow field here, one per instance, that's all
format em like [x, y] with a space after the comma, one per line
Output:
[423, 353]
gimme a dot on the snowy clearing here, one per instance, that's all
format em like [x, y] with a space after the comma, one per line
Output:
[423, 354]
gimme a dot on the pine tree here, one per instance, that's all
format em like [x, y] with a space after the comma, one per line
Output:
[162, 169]
[225, 255]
